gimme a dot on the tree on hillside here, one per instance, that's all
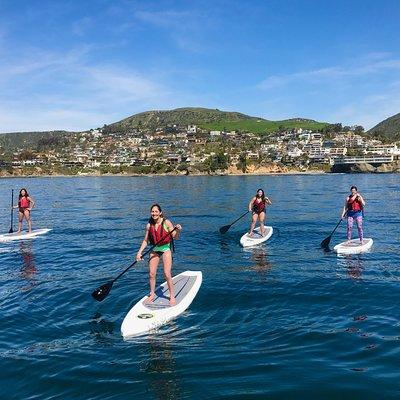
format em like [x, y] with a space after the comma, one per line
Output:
[217, 162]
[26, 155]
[358, 129]
[242, 164]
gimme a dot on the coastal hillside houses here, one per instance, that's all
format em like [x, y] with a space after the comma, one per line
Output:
[175, 146]
[372, 159]
[383, 149]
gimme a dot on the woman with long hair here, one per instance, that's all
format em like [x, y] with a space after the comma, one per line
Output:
[159, 233]
[257, 206]
[354, 207]
[25, 205]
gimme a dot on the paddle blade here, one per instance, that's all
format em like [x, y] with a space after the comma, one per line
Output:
[11, 230]
[326, 241]
[224, 229]
[102, 292]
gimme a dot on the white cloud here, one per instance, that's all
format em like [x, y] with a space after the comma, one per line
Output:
[165, 19]
[66, 91]
[81, 26]
[369, 111]
[332, 73]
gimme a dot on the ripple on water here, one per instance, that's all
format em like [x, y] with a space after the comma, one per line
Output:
[282, 320]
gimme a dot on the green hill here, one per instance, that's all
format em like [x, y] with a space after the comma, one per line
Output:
[212, 119]
[34, 140]
[387, 130]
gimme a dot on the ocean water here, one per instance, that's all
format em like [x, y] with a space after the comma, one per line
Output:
[284, 320]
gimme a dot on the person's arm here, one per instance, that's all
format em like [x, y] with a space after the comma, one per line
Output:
[251, 204]
[361, 199]
[268, 201]
[31, 203]
[175, 234]
[344, 208]
[144, 243]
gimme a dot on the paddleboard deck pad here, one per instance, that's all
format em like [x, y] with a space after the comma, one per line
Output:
[246, 240]
[144, 317]
[23, 235]
[353, 246]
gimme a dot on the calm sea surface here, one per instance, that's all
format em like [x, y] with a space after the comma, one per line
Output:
[281, 321]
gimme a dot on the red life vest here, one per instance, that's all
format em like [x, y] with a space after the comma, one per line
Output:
[354, 204]
[258, 207]
[155, 235]
[24, 202]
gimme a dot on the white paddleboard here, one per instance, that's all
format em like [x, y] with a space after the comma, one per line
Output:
[23, 235]
[246, 240]
[353, 246]
[144, 317]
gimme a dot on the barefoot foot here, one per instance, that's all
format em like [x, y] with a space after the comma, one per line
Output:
[172, 301]
[150, 299]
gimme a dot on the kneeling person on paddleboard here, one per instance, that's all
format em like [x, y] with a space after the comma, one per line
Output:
[257, 207]
[353, 207]
[160, 232]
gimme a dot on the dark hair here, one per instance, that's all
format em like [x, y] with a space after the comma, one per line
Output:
[151, 220]
[263, 194]
[354, 187]
[26, 193]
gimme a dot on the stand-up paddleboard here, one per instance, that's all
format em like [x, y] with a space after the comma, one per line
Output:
[144, 317]
[23, 235]
[353, 246]
[246, 240]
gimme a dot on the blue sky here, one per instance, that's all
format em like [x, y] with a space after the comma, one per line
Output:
[80, 64]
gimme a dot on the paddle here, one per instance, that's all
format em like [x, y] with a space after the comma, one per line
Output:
[225, 228]
[102, 292]
[326, 241]
[12, 204]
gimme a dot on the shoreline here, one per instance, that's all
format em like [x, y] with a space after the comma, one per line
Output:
[165, 174]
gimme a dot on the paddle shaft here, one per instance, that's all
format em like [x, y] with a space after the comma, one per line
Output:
[336, 227]
[236, 220]
[145, 253]
[12, 213]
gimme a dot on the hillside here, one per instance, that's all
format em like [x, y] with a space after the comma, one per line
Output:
[212, 119]
[33, 140]
[387, 130]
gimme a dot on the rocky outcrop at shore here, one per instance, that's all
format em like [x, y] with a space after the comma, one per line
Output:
[367, 168]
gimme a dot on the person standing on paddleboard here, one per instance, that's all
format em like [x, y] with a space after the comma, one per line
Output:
[257, 207]
[160, 231]
[25, 205]
[353, 207]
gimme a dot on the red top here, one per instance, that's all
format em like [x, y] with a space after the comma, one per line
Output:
[353, 204]
[258, 206]
[155, 235]
[24, 202]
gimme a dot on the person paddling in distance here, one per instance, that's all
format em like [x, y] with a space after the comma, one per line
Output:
[353, 207]
[25, 205]
[160, 231]
[257, 207]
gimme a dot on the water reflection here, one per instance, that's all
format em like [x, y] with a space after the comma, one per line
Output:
[100, 328]
[28, 268]
[160, 366]
[354, 265]
[259, 257]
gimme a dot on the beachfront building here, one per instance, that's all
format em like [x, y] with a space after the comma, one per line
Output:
[337, 151]
[383, 149]
[375, 159]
